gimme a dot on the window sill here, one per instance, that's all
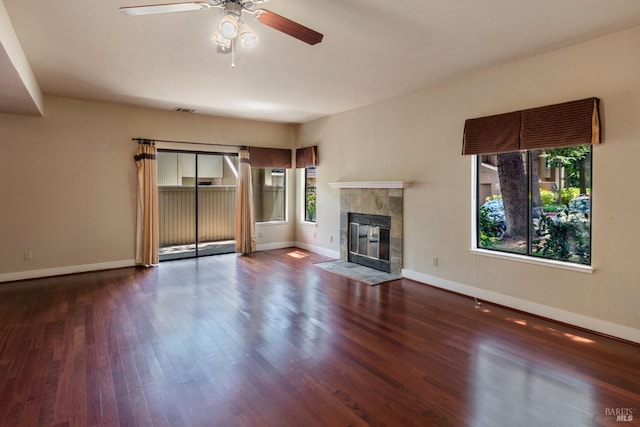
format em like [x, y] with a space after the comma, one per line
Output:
[272, 223]
[537, 261]
[309, 223]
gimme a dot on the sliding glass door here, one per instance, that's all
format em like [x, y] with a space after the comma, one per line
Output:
[196, 203]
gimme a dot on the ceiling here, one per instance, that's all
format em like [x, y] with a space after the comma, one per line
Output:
[372, 50]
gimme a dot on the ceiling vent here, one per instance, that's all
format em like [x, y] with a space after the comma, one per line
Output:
[184, 110]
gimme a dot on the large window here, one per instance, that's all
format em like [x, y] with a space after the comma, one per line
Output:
[310, 194]
[269, 194]
[536, 203]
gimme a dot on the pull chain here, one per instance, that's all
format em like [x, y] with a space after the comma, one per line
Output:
[233, 53]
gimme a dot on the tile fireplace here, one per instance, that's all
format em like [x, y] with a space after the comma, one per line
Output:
[371, 229]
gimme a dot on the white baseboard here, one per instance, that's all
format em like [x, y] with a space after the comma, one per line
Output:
[277, 245]
[59, 271]
[579, 320]
[318, 250]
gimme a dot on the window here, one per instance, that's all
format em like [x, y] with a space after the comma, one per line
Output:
[310, 194]
[269, 194]
[536, 203]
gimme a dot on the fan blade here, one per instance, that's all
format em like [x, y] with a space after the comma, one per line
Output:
[287, 26]
[164, 8]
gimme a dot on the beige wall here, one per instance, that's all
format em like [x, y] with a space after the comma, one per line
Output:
[417, 138]
[67, 180]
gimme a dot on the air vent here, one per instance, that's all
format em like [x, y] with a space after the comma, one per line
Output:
[184, 110]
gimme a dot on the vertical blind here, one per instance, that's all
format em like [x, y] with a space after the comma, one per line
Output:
[558, 125]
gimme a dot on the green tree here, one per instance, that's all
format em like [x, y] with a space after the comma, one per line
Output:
[573, 160]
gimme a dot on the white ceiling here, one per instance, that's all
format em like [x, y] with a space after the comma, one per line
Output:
[372, 50]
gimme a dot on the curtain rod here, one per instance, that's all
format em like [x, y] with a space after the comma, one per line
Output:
[151, 141]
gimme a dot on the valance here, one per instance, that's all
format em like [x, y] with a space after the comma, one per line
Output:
[561, 125]
[492, 134]
[270, 157]
[558, 125]
[307, 157]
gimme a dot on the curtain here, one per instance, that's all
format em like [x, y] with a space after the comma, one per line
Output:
[147, 205]
[245, 225]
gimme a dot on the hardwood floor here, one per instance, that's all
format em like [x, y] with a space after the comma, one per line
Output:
[272, 340]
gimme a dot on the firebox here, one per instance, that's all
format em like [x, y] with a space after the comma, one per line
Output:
[369, 240]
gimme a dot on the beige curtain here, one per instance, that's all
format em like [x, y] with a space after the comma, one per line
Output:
[245, 225]
[147, 206]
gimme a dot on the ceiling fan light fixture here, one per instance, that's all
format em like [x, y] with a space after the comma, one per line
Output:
[247, 37]
[229, 26]
[221, 40]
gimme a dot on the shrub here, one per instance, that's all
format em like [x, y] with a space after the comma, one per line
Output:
[568, 194]
[553, 207]
[565, 240]
[547, 197]
[490, 230]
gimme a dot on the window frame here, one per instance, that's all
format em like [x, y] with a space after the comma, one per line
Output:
[286, 178]
[525, 258]
[304, 195]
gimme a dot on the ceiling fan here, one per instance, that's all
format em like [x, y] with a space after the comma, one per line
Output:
[232, 25]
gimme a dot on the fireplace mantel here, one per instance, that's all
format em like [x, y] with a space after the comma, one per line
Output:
[370, 184]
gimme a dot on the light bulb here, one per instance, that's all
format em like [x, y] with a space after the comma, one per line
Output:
[247, 36]
[229, 26]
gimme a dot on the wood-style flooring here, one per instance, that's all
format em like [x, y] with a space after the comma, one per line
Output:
[272, 340]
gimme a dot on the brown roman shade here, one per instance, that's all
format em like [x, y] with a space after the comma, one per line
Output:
[558, 125]
[307, 157]
[270, 157]
[561, 125]
[492, 134]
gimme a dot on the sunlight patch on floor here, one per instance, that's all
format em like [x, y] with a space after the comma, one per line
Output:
[298, 254]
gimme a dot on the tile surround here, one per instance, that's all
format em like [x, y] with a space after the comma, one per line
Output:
[376, 201]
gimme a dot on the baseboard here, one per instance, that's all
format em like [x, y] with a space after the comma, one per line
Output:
[71, 269]
[277, 245]
[59, 271]
[585, 322]
[318, 250]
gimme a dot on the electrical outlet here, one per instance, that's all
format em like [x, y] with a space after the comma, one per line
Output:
[331, 238]
[259, 234]
[435, 261]
[28, 256]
